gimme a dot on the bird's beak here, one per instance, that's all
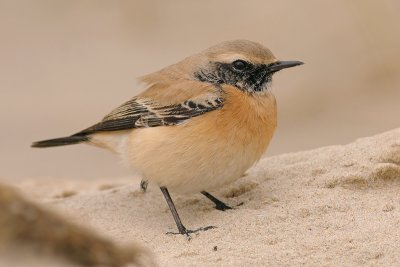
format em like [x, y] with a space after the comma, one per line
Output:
[279, 65]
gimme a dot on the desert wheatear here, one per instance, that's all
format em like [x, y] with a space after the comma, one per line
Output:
[200, 124]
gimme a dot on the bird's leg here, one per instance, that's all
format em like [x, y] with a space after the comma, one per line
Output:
[143, 185]
[219, 205]
[181, 228]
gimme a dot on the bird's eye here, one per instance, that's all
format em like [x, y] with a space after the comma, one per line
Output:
[240, 64]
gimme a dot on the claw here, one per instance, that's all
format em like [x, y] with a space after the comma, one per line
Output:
[143, 185]
[187, 232]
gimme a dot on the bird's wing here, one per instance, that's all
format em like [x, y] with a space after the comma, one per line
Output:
[143, 111]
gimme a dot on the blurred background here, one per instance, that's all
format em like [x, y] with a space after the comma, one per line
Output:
[64, 64]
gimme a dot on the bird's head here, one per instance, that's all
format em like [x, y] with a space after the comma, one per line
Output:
[247, 65]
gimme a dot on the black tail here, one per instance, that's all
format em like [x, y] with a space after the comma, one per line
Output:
[63, 141]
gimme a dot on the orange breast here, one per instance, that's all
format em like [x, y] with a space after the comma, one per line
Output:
[245, 120]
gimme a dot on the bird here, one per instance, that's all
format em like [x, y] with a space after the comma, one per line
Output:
[199, 125]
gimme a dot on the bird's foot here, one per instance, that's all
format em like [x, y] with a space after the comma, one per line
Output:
[219, 205]
[187, 232]
[223, 207]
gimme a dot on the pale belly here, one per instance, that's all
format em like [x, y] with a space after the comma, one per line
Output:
[193, 157]
[187, 167]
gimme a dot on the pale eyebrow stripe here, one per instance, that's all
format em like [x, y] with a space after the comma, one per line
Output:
[230, 57]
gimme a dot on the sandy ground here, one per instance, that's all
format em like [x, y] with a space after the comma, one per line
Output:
[31, 235]
[336, 205]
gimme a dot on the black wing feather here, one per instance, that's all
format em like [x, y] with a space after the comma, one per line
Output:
[143, 113]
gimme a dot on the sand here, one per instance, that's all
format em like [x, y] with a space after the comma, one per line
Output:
[336, 205]
[31, 235]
